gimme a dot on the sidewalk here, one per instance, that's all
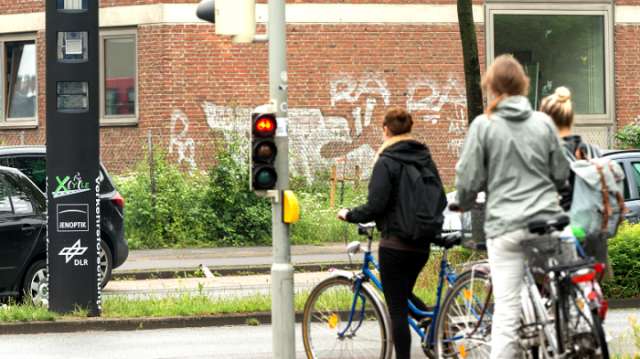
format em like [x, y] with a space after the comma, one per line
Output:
[237, 258]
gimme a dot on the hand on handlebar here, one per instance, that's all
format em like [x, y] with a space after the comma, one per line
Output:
[342, 214]
[455, 207]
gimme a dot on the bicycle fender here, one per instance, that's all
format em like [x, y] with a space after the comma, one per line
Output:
[478, 266]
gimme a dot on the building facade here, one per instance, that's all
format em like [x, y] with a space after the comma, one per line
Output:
[166, 78]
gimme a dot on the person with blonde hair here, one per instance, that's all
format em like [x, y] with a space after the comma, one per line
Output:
[559, 107]
[514, 154]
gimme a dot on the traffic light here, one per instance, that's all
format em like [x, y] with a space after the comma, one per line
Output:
[263, 149]
[232, 17]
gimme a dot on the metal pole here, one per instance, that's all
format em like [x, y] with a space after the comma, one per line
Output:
[282, 310]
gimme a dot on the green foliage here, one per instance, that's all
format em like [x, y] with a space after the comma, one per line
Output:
[624, 256]
[213, 209]
[175, 215]
[239, 216]
[629, 137]
[25, 313]
[318, 222]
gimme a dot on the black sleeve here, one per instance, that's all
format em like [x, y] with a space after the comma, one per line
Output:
[379, 192]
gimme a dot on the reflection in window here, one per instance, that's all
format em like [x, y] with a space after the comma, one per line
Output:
[72, 4]
[20, 79]
[5, 204]
[120, 76]
[636, 174]
[558, 50]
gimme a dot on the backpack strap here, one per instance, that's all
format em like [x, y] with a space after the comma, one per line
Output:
[571, 157]
[607, 210]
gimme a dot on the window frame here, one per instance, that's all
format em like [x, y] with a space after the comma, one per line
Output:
[118, 120]
[554, 8]
[17, 122]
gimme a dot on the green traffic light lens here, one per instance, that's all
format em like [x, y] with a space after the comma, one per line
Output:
[265, 178]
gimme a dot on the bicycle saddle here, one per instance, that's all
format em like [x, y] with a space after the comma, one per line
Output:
[544, 227]
[449, 240]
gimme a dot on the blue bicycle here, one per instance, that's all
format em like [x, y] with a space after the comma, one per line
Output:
[345, 315]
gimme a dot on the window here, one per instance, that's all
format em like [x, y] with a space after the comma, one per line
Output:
[33, 167]
[5, 202]
[636, 175]
[119, 95]
[18, 74]
[559, 45]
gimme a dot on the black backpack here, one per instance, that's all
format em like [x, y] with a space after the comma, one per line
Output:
[421, 201]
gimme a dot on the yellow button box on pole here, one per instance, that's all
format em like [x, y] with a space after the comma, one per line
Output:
[290, 207]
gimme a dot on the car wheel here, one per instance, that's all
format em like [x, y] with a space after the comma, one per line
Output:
[106, 263]
[36, 284]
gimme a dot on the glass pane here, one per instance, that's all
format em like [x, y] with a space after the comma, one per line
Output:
[73, 96]
[558, 50]
[72, 46]
[34, 168]
[120, 76]
[636, 174]
[5, 204]
[71, 4]
[21, 78]
[20, 196]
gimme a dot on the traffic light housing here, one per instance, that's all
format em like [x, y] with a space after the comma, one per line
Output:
[263, 150]
[232, 17]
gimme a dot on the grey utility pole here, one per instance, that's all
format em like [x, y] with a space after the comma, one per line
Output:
[282, 310]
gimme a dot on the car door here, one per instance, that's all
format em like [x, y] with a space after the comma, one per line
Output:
[633, 200]
[21, 227]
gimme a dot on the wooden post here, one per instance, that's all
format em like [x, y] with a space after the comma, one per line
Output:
[334, 183]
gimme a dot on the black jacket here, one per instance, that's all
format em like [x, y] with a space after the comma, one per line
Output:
[383, 185]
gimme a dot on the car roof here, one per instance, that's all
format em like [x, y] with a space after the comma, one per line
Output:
[12, 170]
[22, 150]
[621, 153]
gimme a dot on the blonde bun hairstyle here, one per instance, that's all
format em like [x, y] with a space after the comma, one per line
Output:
[559, 107]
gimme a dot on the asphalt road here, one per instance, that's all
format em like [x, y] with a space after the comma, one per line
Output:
[238, 342]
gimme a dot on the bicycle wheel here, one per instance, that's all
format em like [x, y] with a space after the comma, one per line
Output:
[340, 322]
[584, 331]
[464, 321]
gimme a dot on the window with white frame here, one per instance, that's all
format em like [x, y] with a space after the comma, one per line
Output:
[18, 75]
[119, 88]
[559, 45]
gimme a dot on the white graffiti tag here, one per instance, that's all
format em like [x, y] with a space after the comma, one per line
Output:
[180, 142]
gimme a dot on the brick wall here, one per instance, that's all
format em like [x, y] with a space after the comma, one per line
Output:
[627, 57]
[342, 78]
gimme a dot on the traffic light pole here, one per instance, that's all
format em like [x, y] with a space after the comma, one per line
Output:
[282, 310]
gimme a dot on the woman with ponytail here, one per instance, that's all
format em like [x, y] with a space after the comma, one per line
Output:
[514, 154]
[560, 108]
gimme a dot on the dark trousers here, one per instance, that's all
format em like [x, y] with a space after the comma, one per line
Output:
[399, 271]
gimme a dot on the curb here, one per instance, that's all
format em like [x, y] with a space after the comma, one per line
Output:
[226, 271]
[114, 324]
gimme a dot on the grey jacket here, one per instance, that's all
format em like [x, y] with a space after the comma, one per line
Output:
[516, 156]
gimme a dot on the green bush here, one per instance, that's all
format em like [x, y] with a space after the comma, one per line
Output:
[629, 136]
[624, 256]
[203, 209]
[318, 222]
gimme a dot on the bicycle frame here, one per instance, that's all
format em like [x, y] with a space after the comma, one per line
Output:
[367, 274]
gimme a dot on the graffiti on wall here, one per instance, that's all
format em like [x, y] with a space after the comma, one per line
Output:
[180, 142]
[346, 133]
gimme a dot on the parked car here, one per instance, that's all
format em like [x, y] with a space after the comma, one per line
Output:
[23, 221]
[31, 161]
[630, 162]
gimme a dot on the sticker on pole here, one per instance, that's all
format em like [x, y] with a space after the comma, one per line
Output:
[282, 129]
